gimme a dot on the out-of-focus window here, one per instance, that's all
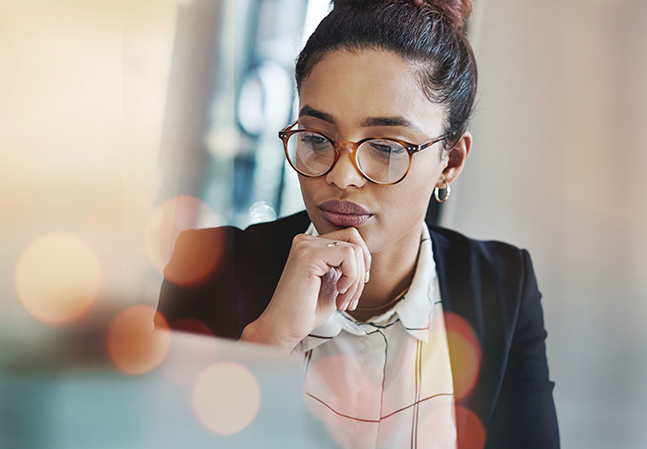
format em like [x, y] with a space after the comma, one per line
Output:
[231, 91]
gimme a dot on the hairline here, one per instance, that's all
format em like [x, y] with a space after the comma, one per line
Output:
[418, 66]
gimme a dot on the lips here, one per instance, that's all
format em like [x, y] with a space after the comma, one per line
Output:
[344, 214]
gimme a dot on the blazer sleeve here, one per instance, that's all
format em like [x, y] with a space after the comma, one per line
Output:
[221, 279]
[199, 292]
[524, 415]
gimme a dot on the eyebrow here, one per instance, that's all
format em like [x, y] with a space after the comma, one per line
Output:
[312, 112]
[389, 121]
[371, 121]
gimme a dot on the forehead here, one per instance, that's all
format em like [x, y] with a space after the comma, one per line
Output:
[354, 86]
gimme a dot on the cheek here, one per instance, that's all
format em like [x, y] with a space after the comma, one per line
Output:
[412, 199]
[404, 207]
[308, 187]
[426, 175]
[420, 182]
[410, 203]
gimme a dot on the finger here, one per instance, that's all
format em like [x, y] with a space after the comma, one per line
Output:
[361, 281]
[352, 235]
[348, 266]
[352, 272]
[329, 292]
[353, 293]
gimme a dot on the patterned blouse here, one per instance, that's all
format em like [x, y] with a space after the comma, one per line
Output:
[387, 382]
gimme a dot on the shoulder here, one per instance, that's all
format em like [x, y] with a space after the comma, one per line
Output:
[279, 231]
[225, 276]
[259, 235]
[491, 286]
[454, 246]
[484, 281]
[213, 250]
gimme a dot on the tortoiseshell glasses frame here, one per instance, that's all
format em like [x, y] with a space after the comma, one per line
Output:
[353, 148]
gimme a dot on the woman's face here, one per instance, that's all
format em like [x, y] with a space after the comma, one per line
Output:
[352, 96]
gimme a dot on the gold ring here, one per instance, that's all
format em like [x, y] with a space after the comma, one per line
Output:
[330, 245]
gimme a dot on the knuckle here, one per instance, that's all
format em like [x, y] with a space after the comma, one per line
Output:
[304, 252]
[358, 250]
[354, 232]
[299, 238]
[348, 251]
[301, 242]
[301, 251]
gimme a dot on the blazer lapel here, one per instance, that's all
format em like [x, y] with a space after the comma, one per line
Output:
[450, 290]
[461, 293]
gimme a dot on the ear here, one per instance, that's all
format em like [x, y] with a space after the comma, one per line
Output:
[457, 159]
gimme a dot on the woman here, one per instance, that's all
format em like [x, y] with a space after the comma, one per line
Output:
[411, 337]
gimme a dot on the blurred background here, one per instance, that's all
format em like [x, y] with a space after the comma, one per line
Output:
[124, 122]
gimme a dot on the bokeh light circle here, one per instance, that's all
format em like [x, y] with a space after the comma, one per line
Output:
[474, 434]
[138, 340]
[261, 212]
[466, 354]
[226, 397]
[195, 262]
[437, 424]
[191, 325]
[58, 278]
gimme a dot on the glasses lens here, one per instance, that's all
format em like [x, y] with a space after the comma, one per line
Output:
[310, 153]
[383, 160]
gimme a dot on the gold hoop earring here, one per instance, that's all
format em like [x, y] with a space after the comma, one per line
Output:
[449, 192]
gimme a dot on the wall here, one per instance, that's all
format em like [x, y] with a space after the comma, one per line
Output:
[83, 86]
[558, 167]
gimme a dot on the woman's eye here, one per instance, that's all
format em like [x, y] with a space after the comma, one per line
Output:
[387, 149]
[314, 141]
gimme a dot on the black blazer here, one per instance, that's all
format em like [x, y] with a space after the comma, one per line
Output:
[490, 284]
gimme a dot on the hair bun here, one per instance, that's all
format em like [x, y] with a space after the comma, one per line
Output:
[455, 13]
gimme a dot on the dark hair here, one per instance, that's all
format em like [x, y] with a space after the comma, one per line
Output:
[431, 34]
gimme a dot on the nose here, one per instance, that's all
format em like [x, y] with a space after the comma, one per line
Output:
[345, 173]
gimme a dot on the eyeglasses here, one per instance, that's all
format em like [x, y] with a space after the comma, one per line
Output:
[381, 160]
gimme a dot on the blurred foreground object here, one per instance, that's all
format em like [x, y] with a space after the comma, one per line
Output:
[207, 393]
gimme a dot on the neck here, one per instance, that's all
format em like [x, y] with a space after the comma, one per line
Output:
[392, 271]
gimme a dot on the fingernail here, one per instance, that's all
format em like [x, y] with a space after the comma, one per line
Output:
[368, 276]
